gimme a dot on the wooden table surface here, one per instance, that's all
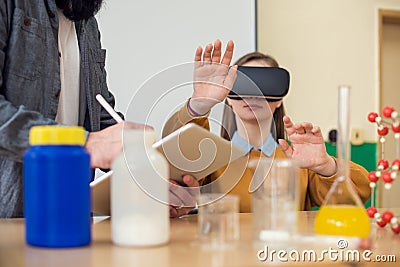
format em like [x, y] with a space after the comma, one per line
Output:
[184, 248]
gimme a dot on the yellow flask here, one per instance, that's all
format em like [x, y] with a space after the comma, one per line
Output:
[344, 220]
[343, 213]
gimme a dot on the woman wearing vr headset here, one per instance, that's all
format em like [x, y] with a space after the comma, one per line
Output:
[249, 121]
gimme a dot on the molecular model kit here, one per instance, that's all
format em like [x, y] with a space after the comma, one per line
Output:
[389, 121]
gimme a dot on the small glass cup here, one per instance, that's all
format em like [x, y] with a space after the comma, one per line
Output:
[218, 221]
[275, 200]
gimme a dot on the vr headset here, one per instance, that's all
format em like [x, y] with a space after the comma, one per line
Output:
[267, 82]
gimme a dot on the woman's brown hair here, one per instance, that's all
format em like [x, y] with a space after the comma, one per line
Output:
[229, 126]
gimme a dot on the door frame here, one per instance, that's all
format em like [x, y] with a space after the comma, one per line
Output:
[385, 15]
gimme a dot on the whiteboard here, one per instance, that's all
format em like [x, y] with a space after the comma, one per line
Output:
[143, 38]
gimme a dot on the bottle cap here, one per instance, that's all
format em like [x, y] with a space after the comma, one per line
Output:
[57, 135]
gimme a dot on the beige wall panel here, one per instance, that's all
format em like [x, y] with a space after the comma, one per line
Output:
[325, 43]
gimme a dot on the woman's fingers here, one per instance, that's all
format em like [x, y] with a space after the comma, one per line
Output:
[216, 55]
[286, 148]
[307, 127]
[181, 196]
[226, 60]
[212, 53]
[175, 200]
[301, 128]
[190, 181]
[231, 77]
[317, 131]
[288, 125]
[199, 52]
[183, 199]
[207, 53]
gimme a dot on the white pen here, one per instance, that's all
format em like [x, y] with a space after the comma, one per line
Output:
[108, 108]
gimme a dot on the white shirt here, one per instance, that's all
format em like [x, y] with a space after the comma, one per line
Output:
[68, 107]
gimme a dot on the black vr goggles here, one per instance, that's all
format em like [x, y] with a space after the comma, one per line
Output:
[268, 82]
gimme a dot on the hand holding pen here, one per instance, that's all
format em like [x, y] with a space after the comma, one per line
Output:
[105, 145]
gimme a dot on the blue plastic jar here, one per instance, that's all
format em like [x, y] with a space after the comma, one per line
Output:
[56, 188]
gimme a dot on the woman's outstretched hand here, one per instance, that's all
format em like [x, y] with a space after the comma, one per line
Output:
[307, 147]
[213, 79]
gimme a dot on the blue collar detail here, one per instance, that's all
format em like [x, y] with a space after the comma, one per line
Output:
[267, 148]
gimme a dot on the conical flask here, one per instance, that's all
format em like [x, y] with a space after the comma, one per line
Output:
[342, 213]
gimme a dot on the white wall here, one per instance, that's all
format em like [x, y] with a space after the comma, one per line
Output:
[143, 38]
[325, 43]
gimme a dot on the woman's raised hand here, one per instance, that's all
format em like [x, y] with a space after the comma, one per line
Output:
[213, 79]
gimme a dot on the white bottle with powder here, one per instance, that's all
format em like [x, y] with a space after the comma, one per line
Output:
[139, 192]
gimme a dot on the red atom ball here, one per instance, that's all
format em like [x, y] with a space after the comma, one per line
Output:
[396, 230]
[384, 163]
[372, 116]
[395, 128]
[384, 130]
[372, 177]
[371, 212]
[381, 223]
[387, 216]
[387, 111]
[396, 162]
[386, 177]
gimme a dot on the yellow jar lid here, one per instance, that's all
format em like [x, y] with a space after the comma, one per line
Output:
[57, 135]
